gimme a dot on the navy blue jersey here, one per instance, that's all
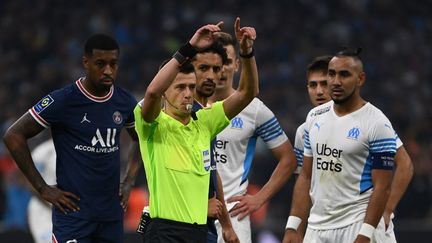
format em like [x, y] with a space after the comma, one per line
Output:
[213, 178]
[86, 131]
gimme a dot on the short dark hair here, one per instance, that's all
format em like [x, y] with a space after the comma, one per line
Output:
[319, 64]
[217, 48]
[226, 39]
[349, 52]
[100, 42]
[186, 68]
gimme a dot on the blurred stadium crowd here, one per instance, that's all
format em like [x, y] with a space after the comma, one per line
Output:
[41, 48]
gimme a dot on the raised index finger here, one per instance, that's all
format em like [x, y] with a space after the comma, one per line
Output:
[220, 24]
[237, 25]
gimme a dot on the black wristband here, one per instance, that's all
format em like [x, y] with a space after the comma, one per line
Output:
[249, 55]
[185, 53]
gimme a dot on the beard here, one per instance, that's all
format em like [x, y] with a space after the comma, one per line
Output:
[206, 90]
[205, 93]
[340, 101]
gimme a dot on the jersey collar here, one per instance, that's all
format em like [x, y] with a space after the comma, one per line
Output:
[93, 97]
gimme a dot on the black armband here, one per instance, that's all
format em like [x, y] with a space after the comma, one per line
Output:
[185, 53]
[249, 55]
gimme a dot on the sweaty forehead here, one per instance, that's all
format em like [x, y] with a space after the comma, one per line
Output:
[183, 78]
[343, 63]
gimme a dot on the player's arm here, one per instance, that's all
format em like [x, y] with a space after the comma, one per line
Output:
[15, 139]
[151, 108]
[248, 86]
[228, 233]
[301, 203]
[287, 164]
[381, 179]
[401, 179]
[133, 166]
[202, 38]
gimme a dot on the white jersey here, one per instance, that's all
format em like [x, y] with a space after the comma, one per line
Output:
[343, 149]
[39, 213]
[299, 146]
[44, 157]
[235, 145]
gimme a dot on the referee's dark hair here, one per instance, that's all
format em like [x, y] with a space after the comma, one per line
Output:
[101, 42]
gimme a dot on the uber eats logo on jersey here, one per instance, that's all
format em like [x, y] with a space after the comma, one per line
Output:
[101, 143]
[327, 162]
[219, 157]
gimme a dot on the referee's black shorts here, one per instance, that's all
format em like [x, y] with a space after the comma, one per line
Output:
[164, 230]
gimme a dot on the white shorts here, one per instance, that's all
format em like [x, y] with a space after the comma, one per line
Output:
[349, 234]
[242, 229]
[39, 220]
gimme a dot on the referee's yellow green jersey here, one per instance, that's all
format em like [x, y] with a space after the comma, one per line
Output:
[177, 162]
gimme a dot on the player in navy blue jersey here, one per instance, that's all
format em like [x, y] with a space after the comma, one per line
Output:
[85, 118]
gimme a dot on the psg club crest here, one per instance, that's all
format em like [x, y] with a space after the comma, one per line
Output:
[117, 118]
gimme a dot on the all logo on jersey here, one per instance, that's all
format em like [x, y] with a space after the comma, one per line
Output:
[101, 143]
[110, 138]
[43, 104]
[237, 123]
[117, 117]
[354, 133]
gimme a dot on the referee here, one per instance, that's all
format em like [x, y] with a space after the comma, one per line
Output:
[174, 142]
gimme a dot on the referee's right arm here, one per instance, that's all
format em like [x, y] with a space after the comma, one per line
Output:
[160, 83]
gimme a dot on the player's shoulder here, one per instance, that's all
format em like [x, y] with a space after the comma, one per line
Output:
[259, 108]
[300, 129]
[124, 93]
[373, 110]
[320, 110]
[64, 92]
[254, 106]
[372, 116]
[57, 97]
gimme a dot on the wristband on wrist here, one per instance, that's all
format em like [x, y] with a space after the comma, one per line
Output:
[185, 53]
[293, 222]
[249, 55]
[367, 230]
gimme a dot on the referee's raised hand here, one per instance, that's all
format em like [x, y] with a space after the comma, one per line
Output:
[203, 37]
